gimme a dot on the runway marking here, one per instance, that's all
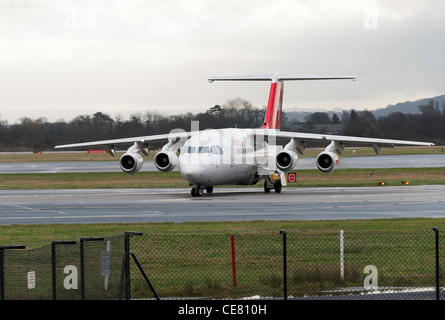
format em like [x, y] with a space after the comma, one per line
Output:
[225, 204]
[83, 216]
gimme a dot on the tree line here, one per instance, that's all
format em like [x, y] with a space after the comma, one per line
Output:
[40, 135]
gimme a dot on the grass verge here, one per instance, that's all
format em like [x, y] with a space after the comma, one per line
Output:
[305, 178]
[42, 234]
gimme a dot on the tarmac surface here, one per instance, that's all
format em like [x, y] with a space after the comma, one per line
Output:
[234, 204]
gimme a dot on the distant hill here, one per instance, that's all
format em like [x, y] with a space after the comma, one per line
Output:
[408, 107]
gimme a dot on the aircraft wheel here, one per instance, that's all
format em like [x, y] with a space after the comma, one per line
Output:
[199, 192]
[209, 189]
[277, 186]
[193, 192]
[266, 188]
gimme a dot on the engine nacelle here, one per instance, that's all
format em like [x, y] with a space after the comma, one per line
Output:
[326, 161]
[131, 162]
[166, 160]
[286, 160]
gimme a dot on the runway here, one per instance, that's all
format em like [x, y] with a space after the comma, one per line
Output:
[234, 204]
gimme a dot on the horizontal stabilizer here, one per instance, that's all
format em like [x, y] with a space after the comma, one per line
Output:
[272, 118]
[280, 77]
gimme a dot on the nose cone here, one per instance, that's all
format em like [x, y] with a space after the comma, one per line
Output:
[191, 172]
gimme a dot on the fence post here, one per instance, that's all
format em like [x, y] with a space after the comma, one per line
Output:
[342, 257]
[283, 232]
[53, 264]
[232, 242]
[82, 264]
[436, 231]
[128, 234]
[2, 270]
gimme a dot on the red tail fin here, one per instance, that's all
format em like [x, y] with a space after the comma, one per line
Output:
[272, 120]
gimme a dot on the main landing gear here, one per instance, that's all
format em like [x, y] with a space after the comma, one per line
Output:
[272, 182]
[198, 191]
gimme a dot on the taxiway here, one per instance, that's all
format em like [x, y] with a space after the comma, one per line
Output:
[235, 204]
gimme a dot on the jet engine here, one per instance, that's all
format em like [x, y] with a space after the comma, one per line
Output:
[166, 160]
[286, 160]
[131, 162]
[326, 161]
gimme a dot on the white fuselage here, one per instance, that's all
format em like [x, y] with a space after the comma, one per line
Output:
[218, 157]
[240, 156]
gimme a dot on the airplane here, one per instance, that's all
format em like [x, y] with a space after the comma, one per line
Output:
[240, 156]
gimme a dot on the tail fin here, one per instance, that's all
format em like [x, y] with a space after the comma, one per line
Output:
[272, 118]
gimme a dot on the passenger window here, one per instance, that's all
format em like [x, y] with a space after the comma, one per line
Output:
[214, 150]
[191, 149]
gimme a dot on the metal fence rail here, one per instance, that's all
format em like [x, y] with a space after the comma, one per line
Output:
[286, 264]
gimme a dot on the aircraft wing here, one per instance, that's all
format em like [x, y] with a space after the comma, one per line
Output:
[300, 136]
[349, 139]
[174, 137]
[298, 139]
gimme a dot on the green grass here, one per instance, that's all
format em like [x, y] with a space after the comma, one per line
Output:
[42, 234]
[194, 259]
[362, 177]
[200, 264]
[94, 180]
[305, 178]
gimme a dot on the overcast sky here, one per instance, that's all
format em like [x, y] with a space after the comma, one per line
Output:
[60, 58]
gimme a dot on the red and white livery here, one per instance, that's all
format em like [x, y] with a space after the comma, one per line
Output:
[232, 156]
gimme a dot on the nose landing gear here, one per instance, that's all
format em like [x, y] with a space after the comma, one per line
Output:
[198, 191]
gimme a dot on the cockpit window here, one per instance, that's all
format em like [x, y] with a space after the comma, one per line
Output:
[204, 149]
[191, 149]
[216, 150]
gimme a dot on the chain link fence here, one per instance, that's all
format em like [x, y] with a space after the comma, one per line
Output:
[64, 270]
[372, 264]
